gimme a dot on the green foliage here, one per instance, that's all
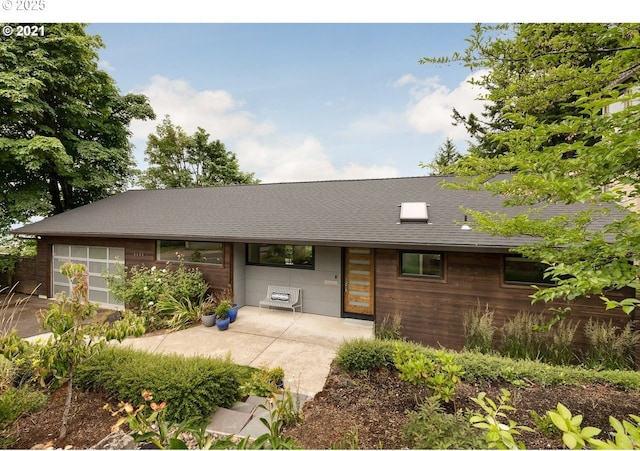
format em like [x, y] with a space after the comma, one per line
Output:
[626, 435]
[178, 314]
[573, 435]
[478, 329]
[520, 337]
[500, 430]
[444, 159]
[439, 371]
[222, 309]
[153, 427]
[390, 328]
[177, 160]
[193, 386]
[168, 297]
[15, 402]
[74, 337]
[64, 133]
[432, 428]
[263, 382]
[361, 354]
[547, 86]
[610, 347]
[274, 423]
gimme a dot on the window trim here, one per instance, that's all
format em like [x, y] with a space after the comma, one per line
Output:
[187, 262]
[312, 266]
[436, 278]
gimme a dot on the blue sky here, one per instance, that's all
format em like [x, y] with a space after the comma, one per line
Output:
[302, 101]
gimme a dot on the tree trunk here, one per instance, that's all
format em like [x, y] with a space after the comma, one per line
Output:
[67, 408]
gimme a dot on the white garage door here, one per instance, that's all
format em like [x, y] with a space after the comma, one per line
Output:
[97, 259]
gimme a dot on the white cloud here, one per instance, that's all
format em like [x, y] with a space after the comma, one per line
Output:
[105, 65]
[301, 159]
[432, 104]
[218, 112]
[272, 156]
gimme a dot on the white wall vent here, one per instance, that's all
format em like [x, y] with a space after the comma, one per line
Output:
[414, 212]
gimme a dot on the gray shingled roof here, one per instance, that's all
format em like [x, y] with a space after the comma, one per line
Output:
[343, 213]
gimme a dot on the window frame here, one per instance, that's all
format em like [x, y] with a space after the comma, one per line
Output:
[439, 277]
[249, 262]
[520, 283]
[176, 259]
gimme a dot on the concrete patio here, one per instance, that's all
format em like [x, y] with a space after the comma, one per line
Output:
[304, 345]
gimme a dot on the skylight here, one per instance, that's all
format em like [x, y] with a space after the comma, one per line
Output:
[413, 212]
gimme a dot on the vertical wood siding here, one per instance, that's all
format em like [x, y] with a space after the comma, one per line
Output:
[432, 310]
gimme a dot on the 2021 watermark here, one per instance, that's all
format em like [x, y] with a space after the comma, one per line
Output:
[23, 30]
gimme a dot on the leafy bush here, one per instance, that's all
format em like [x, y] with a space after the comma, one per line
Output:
[432, 428]
[140, 286]
[361, 354]
[610, 347]
[438, 371]
[193, 386]
[18, 401]
[478, 330]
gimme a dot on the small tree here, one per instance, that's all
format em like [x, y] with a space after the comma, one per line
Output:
[445, 158]
[74, 337]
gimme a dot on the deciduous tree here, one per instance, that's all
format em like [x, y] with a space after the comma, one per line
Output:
[179, 160]
[64, 126]
[564, 114]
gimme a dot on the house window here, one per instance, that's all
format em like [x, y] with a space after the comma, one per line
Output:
[519, 269]
[281, 255]
[423, 264]
[201, 252]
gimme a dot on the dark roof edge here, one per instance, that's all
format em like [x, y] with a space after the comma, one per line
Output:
[329, 243]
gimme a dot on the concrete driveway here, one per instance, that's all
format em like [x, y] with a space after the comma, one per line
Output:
[304, 345]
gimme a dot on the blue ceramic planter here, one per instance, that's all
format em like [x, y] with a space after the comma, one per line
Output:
[233, 312]
[223, 324]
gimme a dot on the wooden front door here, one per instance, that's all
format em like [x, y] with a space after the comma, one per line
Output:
[359, 290]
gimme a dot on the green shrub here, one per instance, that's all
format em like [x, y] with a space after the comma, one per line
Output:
[390, 328]
[437, 371]
[478, 330]
[180, 313]
[432, 428]
[610, 347]
[18, 401]
[361, 354]
[140, 287]
[192, 386]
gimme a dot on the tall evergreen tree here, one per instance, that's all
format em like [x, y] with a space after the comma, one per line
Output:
[444, 160]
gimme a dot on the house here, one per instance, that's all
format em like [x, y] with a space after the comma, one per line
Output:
[363, 249]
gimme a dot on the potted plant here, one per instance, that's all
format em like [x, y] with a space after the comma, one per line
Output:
[208, 313]
[276, 377]
[222, 315]
[226, 295]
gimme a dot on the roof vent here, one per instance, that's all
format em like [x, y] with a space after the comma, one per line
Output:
[413, 212]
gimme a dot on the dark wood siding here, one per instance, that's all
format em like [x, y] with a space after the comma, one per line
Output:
[432, 310]
[137, 252]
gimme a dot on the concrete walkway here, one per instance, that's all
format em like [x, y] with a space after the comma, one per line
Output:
[304, 345]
